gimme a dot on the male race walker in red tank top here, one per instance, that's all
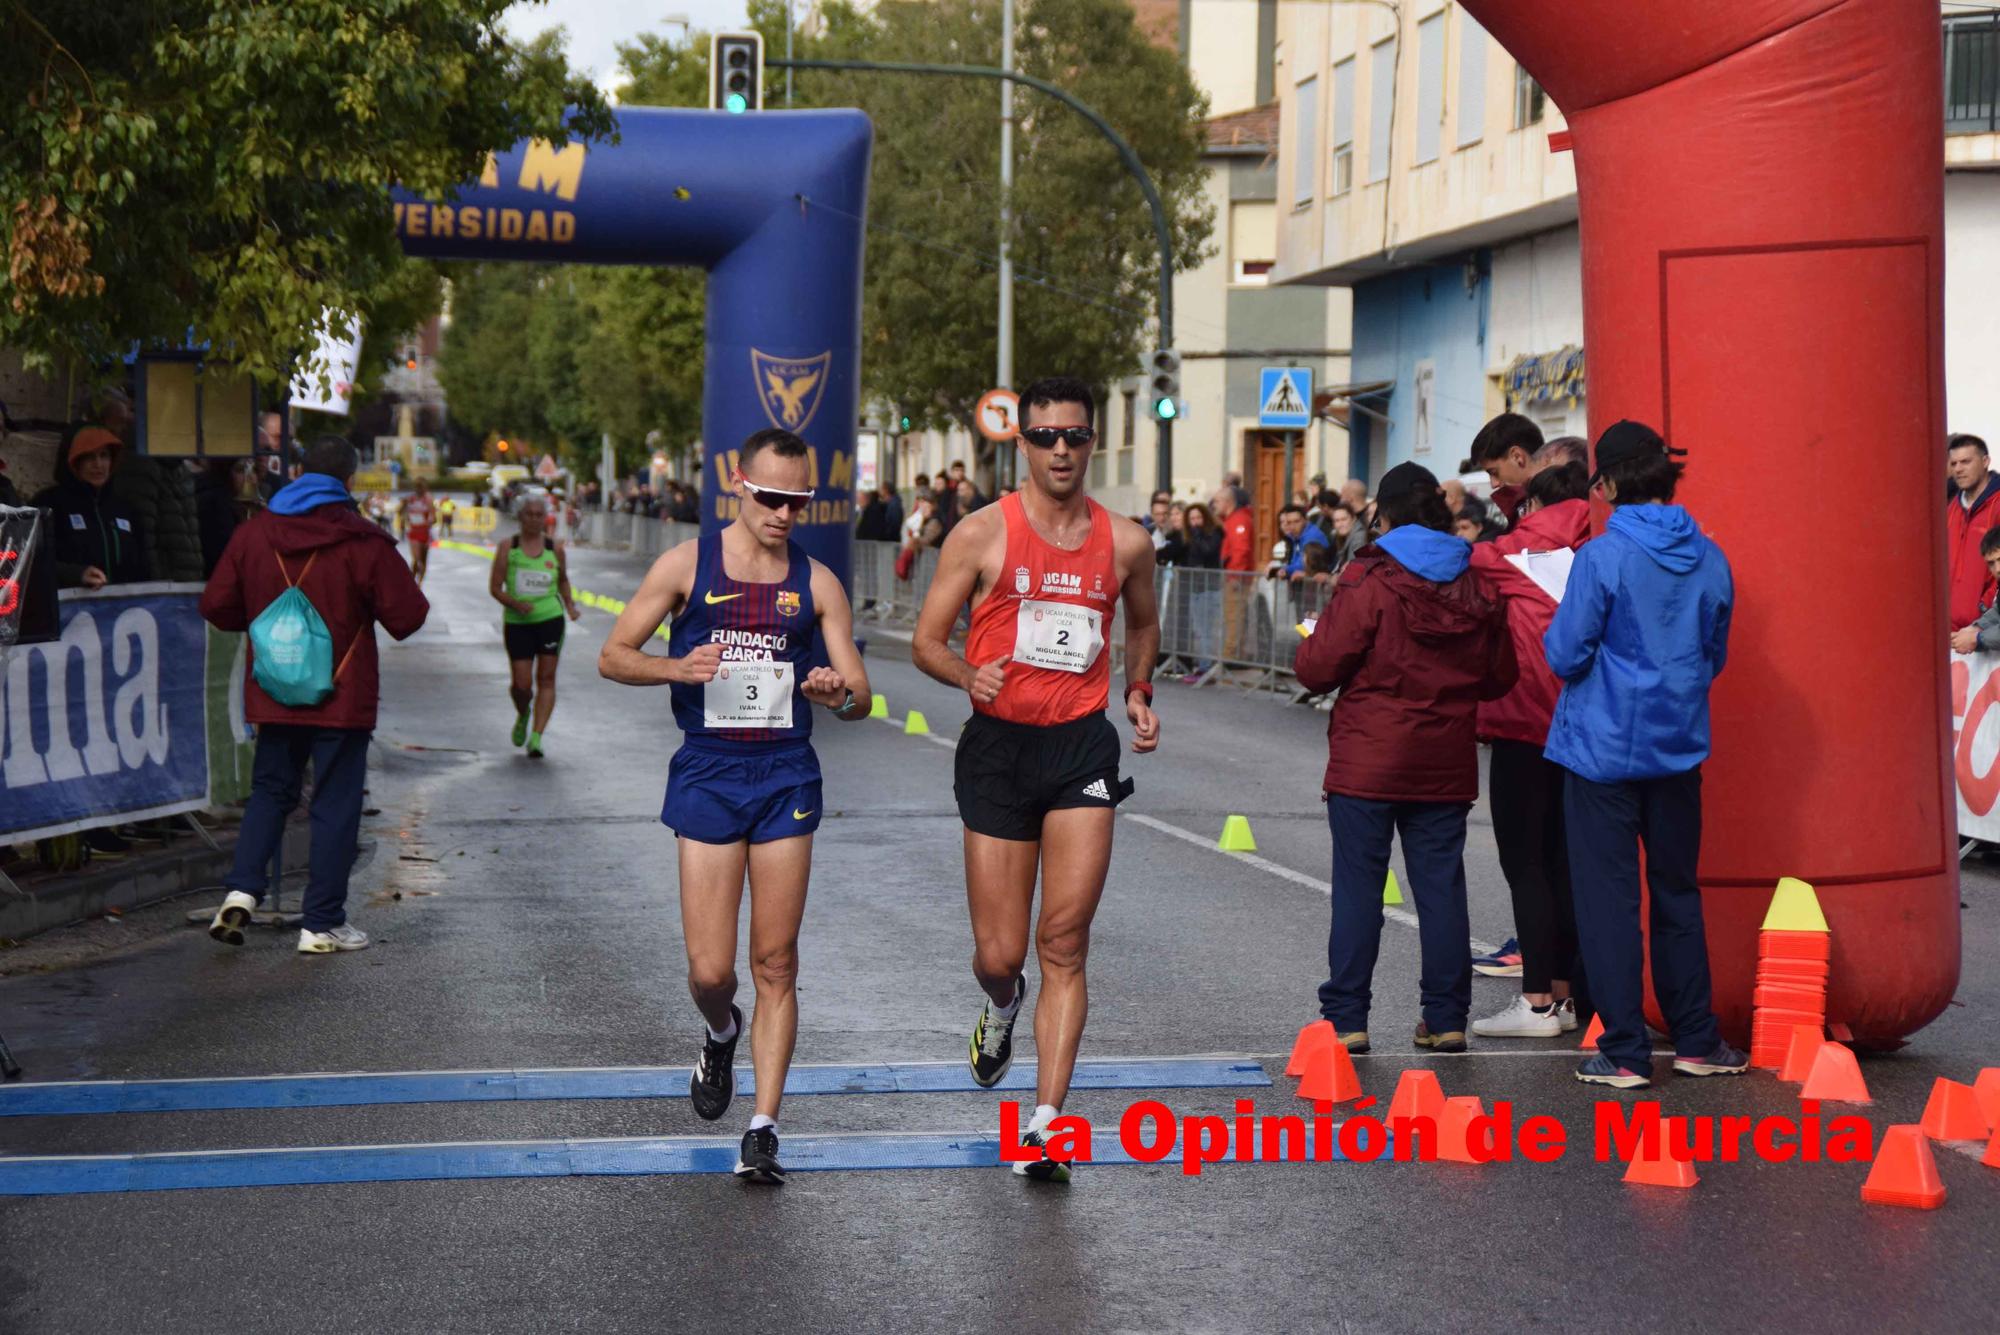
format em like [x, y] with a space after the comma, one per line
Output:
[1037, 770]
[743, 791]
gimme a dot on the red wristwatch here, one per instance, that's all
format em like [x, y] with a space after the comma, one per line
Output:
[1144, 688]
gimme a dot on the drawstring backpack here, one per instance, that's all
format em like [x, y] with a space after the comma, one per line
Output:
[291, 648]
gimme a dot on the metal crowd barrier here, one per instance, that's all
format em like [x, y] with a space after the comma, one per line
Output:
[1216, 627]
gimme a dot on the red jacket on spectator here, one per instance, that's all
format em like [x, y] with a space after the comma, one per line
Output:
[355, 579]
[1969, 584]
[1238, 549]
[1412, 659]
[1524, 713]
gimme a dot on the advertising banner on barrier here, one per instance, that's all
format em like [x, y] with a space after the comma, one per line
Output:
[1975, 743]
[110, 719]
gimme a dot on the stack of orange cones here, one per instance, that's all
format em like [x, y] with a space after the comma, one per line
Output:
[1327, 1074]
[1319, 1031]
[1454, 1128]
[1662, 1170]
[1793, 954]
[1904, 1172]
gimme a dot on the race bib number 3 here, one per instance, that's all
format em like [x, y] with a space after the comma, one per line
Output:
[1057, 635]
[753, 693]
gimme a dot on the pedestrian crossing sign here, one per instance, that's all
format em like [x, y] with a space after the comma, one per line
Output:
[1286, 395]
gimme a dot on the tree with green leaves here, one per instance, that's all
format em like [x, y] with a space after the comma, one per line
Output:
[224, 165]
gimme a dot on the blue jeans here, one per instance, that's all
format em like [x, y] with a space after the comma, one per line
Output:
[339, 758]
[1204, 606]
[1433, 835]
[1607, 822]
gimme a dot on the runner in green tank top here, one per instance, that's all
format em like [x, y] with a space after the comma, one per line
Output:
[530, 579]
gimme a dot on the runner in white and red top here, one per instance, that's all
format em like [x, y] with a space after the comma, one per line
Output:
[419, 510]
[1037, 770]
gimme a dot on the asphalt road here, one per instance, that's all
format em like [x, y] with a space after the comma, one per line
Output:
[537, 927]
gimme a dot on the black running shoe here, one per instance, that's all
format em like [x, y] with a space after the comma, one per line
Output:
[991, 1051]
[757, 1161]
[1043, 1169]
[712, 1083]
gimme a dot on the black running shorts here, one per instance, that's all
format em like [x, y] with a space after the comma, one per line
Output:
[533, 639]
[1010, 775]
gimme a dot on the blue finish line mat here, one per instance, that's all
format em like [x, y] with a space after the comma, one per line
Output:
[73, 1097]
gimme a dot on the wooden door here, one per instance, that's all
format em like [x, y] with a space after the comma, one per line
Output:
[1269, 488]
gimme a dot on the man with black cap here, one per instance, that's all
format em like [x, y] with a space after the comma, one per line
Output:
[1413, 645]
[1640, 633]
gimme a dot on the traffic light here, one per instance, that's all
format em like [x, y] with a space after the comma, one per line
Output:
[1166, 387]
[501, 446]
[736, 71]
[906, 424]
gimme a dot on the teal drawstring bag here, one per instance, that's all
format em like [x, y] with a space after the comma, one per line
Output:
[291, 648]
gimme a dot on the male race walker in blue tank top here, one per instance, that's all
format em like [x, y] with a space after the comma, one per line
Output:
[743, 792]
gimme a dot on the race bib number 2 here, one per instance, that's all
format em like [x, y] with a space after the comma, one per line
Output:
[753, 693]
[1060, 636]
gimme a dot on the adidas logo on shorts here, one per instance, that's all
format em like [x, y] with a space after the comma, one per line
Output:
[1098, 790]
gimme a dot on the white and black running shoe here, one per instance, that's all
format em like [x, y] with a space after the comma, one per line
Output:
[1043, 1169]
[712, 1083]
[991, 1051]
[757, 1161]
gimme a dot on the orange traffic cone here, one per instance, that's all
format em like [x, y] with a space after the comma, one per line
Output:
[1317, 1033]
[1987, 1090]
[1592, 1034]
[1329, 1075]
[1835, 1077]
[1418, 1094]
[1662, 1169]
[1953, 1112]
[1904, 1171]
[1454, 1142]
[1992, 1156]
[1799, 1053]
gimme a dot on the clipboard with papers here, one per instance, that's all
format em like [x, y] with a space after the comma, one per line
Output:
[1549, 570]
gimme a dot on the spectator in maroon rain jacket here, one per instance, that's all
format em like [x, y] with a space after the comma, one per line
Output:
[1413, 645]
[350, 571]
[1971, 511]
[1526, 790]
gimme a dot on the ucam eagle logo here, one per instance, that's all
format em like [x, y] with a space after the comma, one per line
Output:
[790, 388]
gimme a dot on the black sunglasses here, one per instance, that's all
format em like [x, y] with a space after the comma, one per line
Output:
[795, 501]
[1045, 437]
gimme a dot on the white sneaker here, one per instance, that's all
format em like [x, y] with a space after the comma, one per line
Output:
[232, 917]
[1519, 1020]
[344, 937]
[1566, 1014]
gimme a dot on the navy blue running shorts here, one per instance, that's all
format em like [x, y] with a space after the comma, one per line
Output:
[724, 793]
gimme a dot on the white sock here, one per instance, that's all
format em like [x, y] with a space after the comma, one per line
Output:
[724, 1035]
[1044, 1114]
[761, 1120]
[1012, 1008]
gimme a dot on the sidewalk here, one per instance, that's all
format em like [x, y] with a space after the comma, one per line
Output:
[53, 899]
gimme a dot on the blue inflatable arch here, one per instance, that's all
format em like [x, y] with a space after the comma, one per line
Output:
[771, 205]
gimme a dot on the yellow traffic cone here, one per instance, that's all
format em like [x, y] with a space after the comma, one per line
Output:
[916, 725]
[1236, 836]
[1391, 892]
[880, 709]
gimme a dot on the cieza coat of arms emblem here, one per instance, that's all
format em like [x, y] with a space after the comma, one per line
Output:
[1020, 579]
[790, 388]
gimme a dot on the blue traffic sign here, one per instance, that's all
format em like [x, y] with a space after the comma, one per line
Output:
[1285, 394]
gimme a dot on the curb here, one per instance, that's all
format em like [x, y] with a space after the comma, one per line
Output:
[131, 885]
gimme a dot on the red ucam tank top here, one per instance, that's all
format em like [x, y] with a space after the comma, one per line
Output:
[1051, 610]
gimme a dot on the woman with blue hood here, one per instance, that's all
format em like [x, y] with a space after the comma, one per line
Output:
[1642, 630]
[1413, 645]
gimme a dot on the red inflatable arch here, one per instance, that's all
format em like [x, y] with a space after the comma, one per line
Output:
[1762, 227]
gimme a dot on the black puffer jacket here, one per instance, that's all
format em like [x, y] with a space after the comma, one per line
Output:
[160, 495]
[90, 526]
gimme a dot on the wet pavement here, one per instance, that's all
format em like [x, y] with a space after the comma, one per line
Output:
[524, 918]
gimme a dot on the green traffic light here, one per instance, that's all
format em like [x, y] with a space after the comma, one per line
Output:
[906, 423]
[736, 103]
[1166, 409]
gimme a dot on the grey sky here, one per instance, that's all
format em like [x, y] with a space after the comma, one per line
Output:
[596, 27]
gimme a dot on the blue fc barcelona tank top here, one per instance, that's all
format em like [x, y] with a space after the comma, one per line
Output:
[770, 626]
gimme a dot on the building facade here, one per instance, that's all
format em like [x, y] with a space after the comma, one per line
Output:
[1422, 168]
